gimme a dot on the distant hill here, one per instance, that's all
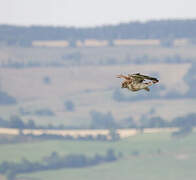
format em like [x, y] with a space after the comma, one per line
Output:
[162, 29]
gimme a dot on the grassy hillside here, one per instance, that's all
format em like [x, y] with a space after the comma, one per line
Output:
[159, 157]
[150, 168]
[144, 143]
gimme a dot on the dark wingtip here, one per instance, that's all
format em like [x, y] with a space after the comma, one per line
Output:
[155, 80]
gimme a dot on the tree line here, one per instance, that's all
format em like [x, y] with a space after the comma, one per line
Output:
[162, 29]
[53, 162]
[106, 120]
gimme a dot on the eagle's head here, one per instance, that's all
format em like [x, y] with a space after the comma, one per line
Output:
[124, 85]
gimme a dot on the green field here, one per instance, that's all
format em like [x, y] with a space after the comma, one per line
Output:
[160, 157]
[139, 168]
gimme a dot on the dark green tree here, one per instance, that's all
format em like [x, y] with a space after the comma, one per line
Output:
[102, 120]
[110, 155]
[16, 122]
[69, 105]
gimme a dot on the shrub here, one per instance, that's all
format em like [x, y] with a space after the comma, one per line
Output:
[102, 120]
[69, 105]
[44, 112]
[6, 99]
[47, 80]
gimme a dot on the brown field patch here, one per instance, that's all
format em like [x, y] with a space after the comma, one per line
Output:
[28, 83]
[50, 43]
[88, 87]
[137, 42]
[92, 43]
[181, 42]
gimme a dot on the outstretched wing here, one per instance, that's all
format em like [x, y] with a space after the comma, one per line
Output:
[136, 77]
[124, 77]
[140, 78]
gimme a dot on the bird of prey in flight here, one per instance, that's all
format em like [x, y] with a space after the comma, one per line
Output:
[136, 82]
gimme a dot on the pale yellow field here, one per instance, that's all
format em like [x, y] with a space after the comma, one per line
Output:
[28, 83]
[124, 133]
[116, 42]
[50, 43]
[91, 88]
[137, 42]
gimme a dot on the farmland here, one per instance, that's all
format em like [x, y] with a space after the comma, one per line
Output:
[123, 133]
[63, 113]
[87, 95]
[159, 156]
[88, 81]
[73, 73]
[92, 55]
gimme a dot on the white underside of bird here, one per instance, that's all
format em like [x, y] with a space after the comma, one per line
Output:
[139, 86]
